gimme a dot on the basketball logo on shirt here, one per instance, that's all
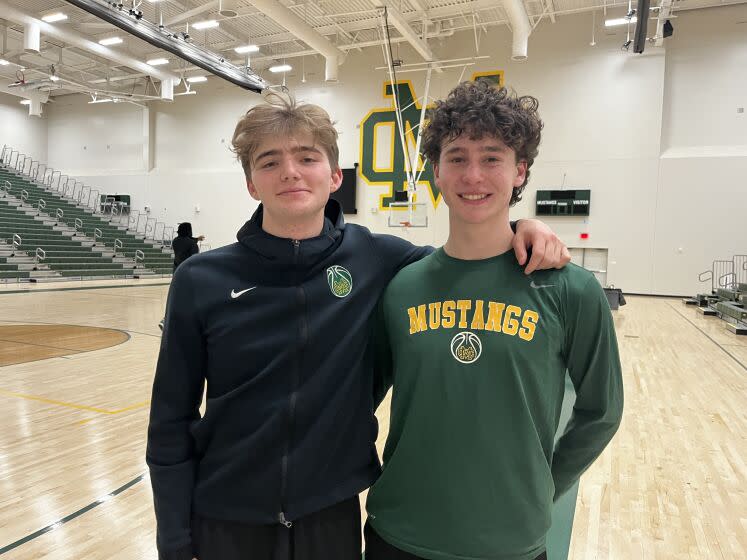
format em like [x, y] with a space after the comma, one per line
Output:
[340, 281]
[466, 347]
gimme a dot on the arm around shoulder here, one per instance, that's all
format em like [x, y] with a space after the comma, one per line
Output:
[396, 253]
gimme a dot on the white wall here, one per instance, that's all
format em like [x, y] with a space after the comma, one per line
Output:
[103, 137]
[656, 137]
[702, 190]
[26, 134]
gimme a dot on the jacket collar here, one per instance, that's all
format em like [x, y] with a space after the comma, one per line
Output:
[283, 254]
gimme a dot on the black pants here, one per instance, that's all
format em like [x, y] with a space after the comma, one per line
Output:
[333, 533]
[378, 549]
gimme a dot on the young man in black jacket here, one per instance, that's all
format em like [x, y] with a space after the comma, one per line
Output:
[278, 327]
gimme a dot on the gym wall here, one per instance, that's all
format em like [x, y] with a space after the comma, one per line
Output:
[657, 137]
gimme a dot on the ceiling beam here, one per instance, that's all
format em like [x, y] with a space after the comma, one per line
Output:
[550, 7]
[189, 14]
[400, 23]
[59, 32]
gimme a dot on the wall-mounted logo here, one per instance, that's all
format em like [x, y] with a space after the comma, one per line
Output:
[382, 158]
[381, 141]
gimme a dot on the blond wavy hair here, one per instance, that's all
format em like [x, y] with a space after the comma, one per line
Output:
[283, 116]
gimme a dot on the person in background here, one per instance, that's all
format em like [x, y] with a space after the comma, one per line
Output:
[184, 246]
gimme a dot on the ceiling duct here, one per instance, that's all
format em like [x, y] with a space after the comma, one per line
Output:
[227, 8]
[519, 20]
[31, 37]
[131, 21]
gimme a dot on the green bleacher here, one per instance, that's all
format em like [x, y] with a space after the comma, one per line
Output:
[733, 310]
[72, 256]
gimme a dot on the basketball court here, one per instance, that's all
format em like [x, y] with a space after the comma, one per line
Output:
[75, 485]
[116, 124]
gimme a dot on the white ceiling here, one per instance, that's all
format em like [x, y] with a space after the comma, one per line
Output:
[347, 24]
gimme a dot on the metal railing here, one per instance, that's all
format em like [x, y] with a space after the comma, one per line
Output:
[59, 215]
[168, 236]
[82, 194]
[41, 205]
[93, 201]
[17, 242]
[150, 226]
[141, 223]
[740, 268]
[97, 234]
[156, 234]
[138, 223]
[78, 226]
[39, 256]
[139, 257]
[114, 211]
[118, 245]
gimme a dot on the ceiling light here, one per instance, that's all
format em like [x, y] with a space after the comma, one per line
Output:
[620, 21]
[205, 24]
[158, 61]
[3, 62]
[25, 102]
[51, 18]
[281, 68]
[110, 41]
[94, 101]
[54, 78]
[246, 49]
[197, 79]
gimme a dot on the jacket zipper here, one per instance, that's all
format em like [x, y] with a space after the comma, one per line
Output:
[293, 396]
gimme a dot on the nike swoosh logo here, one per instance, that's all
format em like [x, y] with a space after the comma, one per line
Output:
[538, 286]
[235, 294]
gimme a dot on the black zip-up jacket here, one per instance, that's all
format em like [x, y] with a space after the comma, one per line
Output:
[280, 331]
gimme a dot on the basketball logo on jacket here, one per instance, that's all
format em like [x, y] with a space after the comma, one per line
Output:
[340, 280]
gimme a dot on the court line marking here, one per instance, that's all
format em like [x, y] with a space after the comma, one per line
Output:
[72, 516]
[72, 350]
[35, 291]
[19, 322]
[732, 356]
[73, 405]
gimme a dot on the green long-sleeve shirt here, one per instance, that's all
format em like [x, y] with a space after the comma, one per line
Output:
[477, 353]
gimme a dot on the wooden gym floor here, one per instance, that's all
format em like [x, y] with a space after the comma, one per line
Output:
[75, 376]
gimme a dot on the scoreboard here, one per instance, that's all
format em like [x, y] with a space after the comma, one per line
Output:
[568, 202]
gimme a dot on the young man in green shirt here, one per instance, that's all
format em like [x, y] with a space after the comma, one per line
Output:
[478, 352]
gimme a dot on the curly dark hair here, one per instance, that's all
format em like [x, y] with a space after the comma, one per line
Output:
[480, 109]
